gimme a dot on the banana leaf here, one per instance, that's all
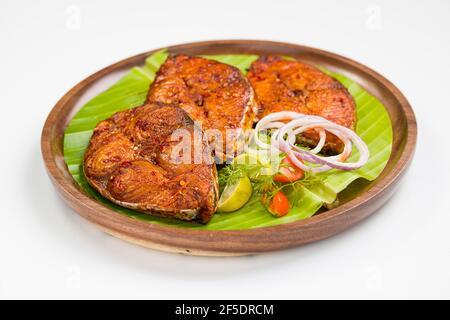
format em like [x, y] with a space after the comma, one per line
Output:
[373, 125]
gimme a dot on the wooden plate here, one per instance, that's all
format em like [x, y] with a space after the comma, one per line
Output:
[359, 200]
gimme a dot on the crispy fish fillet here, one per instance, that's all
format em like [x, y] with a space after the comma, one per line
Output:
[284, 85]
[217, 96]
[139, 159]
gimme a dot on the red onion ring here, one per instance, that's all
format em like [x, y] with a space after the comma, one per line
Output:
[284, 137]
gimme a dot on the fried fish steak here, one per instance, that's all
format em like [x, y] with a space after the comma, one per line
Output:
[285, 85]
[217, 96]
[143, 159]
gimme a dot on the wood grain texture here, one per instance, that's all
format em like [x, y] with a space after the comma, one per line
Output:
[361, 199]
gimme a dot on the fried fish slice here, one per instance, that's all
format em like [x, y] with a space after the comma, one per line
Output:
[217, 96]
[285, 85]
[143, 159]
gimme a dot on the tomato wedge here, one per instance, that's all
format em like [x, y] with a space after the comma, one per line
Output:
[288, 172]
[279, 205]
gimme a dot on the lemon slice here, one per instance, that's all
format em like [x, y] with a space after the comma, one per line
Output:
[234, 196]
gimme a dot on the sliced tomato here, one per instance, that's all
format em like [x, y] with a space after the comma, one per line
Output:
[288, 172]
[279, 205]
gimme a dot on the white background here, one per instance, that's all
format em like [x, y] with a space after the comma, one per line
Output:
[48, 251]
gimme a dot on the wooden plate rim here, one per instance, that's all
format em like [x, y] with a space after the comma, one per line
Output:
[226, 241]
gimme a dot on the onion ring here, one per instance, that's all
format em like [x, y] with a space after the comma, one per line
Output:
[284, 136]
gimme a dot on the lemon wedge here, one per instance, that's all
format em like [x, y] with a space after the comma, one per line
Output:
[234, 196]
